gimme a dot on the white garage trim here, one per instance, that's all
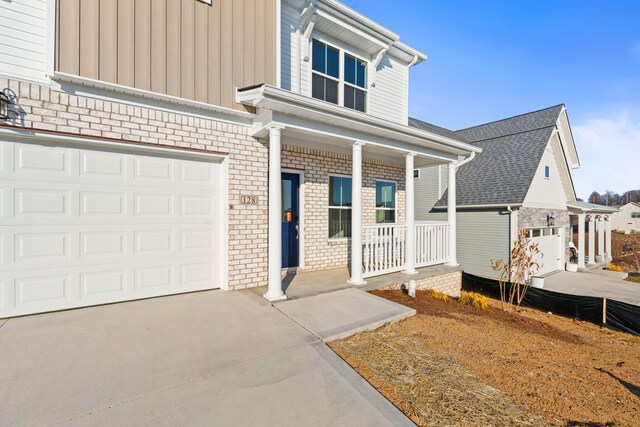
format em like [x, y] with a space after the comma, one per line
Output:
[550, 241]
[156, 217]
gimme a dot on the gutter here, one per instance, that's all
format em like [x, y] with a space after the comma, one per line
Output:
[488, 206]
[145, 94]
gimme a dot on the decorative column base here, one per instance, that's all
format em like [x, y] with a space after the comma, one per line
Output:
[274, 299]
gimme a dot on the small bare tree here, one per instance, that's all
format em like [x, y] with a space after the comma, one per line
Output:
[516, 273]
[634, 243]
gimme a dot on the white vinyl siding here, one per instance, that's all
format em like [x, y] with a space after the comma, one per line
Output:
[388, 98]
[23, 39]
[429, 188]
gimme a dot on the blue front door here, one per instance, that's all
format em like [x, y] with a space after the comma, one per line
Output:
[290, 219]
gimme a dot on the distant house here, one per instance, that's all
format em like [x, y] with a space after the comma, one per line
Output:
[628, 219]
[522, 180]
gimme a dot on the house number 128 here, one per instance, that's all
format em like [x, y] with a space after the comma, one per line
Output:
[249, 200]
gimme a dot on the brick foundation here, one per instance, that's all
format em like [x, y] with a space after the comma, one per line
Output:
[448, 283]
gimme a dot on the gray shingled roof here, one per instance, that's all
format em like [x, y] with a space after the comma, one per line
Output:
[512, 149]
[435, 129]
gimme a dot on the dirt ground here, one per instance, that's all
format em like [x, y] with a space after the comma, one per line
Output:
[457, 365]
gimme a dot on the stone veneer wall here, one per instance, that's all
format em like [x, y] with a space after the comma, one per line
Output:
[448, 283]
[40, 107]
[536, 217]
[320, 251]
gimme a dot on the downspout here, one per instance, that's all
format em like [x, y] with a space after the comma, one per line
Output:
[298, 80]
[467, 160]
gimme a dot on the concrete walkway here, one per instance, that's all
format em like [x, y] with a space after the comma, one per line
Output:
[340, 314]
[596, 284]
[210, 358]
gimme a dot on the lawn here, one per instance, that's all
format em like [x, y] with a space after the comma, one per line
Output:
[635, 279]
[458, 365]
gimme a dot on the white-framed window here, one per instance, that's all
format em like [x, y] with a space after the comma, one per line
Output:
[385, 201]
[635, 214]
[338, 76]
[339, 207]
[547, 172]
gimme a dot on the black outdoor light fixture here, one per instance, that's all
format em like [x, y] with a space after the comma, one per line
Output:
[4, 106]
[551, 221]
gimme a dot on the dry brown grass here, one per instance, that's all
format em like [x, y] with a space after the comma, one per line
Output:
[430, 389]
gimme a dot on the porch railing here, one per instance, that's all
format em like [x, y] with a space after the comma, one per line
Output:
[384, 246]
[432, 243]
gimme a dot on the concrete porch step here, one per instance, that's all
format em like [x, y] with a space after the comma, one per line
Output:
[340, 314]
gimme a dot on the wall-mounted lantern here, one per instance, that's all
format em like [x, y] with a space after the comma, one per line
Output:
[551, 221]
[4, 106]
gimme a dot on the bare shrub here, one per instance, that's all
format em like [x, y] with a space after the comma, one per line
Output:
[516, 273]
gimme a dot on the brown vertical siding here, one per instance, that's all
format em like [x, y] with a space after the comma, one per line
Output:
[183, 48]
[142, 44]
[89, 28]
[126, 45]
[108, 43]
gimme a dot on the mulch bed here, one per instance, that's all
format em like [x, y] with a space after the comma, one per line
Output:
[454, 365]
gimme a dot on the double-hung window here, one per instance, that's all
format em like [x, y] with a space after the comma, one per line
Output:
[635, 214]
[338, 77]
[385, 201]
[355, 83]
[339, 207]
[325, 78]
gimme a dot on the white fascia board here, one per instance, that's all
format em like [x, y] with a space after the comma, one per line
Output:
[15, 133]
[487, 206]
[275, 99]
[357, 19]
[103, 90]
[564, 128]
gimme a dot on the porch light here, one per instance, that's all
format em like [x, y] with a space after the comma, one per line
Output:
[551, 221]
[4, 106]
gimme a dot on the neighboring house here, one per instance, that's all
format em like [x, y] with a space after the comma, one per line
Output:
[522, 180]
[159, 147]
[628, 219]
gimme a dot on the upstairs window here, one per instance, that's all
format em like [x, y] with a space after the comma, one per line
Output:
[338, 77]
[635, 214]
[385, 201]
[547, 172]
[326, 72]
[355, 83]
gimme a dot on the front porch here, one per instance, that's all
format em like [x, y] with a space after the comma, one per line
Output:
[341, 192]
[594, 224]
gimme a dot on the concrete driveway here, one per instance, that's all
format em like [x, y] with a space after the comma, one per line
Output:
[210, 358]
[596, 283]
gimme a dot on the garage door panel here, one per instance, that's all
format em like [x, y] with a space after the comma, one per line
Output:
[82, 226]
[101, 165]
[550, 255]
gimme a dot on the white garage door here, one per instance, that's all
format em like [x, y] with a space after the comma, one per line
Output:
[83, 226]
[549, 242]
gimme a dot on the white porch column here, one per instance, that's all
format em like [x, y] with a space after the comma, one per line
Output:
[607, 247]
[274, 291]
[356, 216]
[601, 237]
[451, 215]
[410, 215]
[592, 240]
[581, 253]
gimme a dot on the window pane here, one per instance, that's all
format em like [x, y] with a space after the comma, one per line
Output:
[331, 91]
[385, 216]
[385, 194]
[335, 188]
[349, 97]
[339, 223]
[319, 56]
[317, 87]
[346, 192]
[333, 62]
[416, 173]
[361, 72]
[360, 101]
[350, 69]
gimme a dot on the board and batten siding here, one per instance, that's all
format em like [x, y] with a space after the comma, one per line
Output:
[23, 39]
[182, 48]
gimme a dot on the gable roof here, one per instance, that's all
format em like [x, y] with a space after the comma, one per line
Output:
[512, 150]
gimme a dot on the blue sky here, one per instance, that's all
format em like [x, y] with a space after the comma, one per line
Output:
[492, 59]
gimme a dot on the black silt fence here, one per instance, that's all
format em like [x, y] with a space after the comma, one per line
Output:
[616, 315]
